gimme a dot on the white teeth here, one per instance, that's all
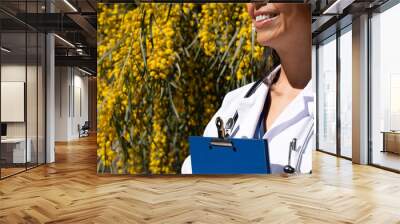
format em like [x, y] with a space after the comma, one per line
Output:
[262, 17]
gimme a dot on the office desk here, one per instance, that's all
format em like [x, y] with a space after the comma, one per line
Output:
[13, 150]
[391, 141]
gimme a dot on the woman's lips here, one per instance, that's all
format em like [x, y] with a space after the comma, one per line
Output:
[263, 21]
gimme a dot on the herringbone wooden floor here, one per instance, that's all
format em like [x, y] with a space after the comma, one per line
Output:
[69, 191]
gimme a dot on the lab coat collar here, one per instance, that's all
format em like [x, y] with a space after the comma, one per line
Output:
[300, 108]
[250, 108]
[249, 111]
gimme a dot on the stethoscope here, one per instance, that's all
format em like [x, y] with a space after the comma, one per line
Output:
[224, 131]
[289, 169]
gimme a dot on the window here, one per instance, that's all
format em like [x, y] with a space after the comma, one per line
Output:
[385, 88]
[346, 92]
[327, 95]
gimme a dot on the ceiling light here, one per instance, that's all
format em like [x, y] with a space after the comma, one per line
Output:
[84, 71]
[5, 50]
[65, 41]
[80, 51]
[70, 5]
[338, 6]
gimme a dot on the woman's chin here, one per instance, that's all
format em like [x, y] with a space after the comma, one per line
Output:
[264, 40]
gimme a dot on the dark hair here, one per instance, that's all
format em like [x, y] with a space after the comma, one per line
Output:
[276, 60]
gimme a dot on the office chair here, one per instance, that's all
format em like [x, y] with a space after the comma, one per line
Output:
[84, 130]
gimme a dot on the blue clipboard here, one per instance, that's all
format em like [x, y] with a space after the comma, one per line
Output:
[229, 156]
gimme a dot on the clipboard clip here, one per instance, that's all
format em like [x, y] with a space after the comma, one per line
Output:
[220, 128]
[224, 143]
[225, 130]
[222, 140]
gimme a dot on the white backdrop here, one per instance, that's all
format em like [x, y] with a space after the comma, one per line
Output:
[12, 101]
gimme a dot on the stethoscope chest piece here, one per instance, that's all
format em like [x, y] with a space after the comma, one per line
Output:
[289, 169]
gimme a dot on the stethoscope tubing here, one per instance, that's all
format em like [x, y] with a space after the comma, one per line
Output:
[307, 139]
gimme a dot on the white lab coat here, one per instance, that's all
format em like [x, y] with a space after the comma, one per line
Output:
[295, 121]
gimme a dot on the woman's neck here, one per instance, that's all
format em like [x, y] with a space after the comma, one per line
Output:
[295, 65]
[294, 76]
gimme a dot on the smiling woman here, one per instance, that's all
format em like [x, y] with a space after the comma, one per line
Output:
[151, 56]
[280, 106]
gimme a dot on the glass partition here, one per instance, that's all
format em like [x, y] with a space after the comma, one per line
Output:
[14, 145]
[22, 78]
[327, 95]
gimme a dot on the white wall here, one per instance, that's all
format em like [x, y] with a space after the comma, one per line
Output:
[70, 83]
[80, 110]
[13, 72]
[9, 73]
[61, 103]
[13, 101]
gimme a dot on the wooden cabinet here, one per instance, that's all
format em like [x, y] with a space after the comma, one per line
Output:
[391, 141]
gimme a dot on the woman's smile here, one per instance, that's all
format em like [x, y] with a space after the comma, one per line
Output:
[264, 17]
[263, 21]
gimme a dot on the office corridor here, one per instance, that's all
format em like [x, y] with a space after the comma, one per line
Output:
[70, 191]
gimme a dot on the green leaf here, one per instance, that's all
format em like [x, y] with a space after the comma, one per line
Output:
[151, 30]
[179, 69]
[220, 75]
[197, 53]
[172, 102]
[193, 42]
[237, 51]
[169, 11]
[143, 51]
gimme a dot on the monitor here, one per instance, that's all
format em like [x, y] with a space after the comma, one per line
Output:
[3, 129]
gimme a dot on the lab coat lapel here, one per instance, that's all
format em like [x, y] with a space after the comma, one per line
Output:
[249, 110]
[299, 108]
